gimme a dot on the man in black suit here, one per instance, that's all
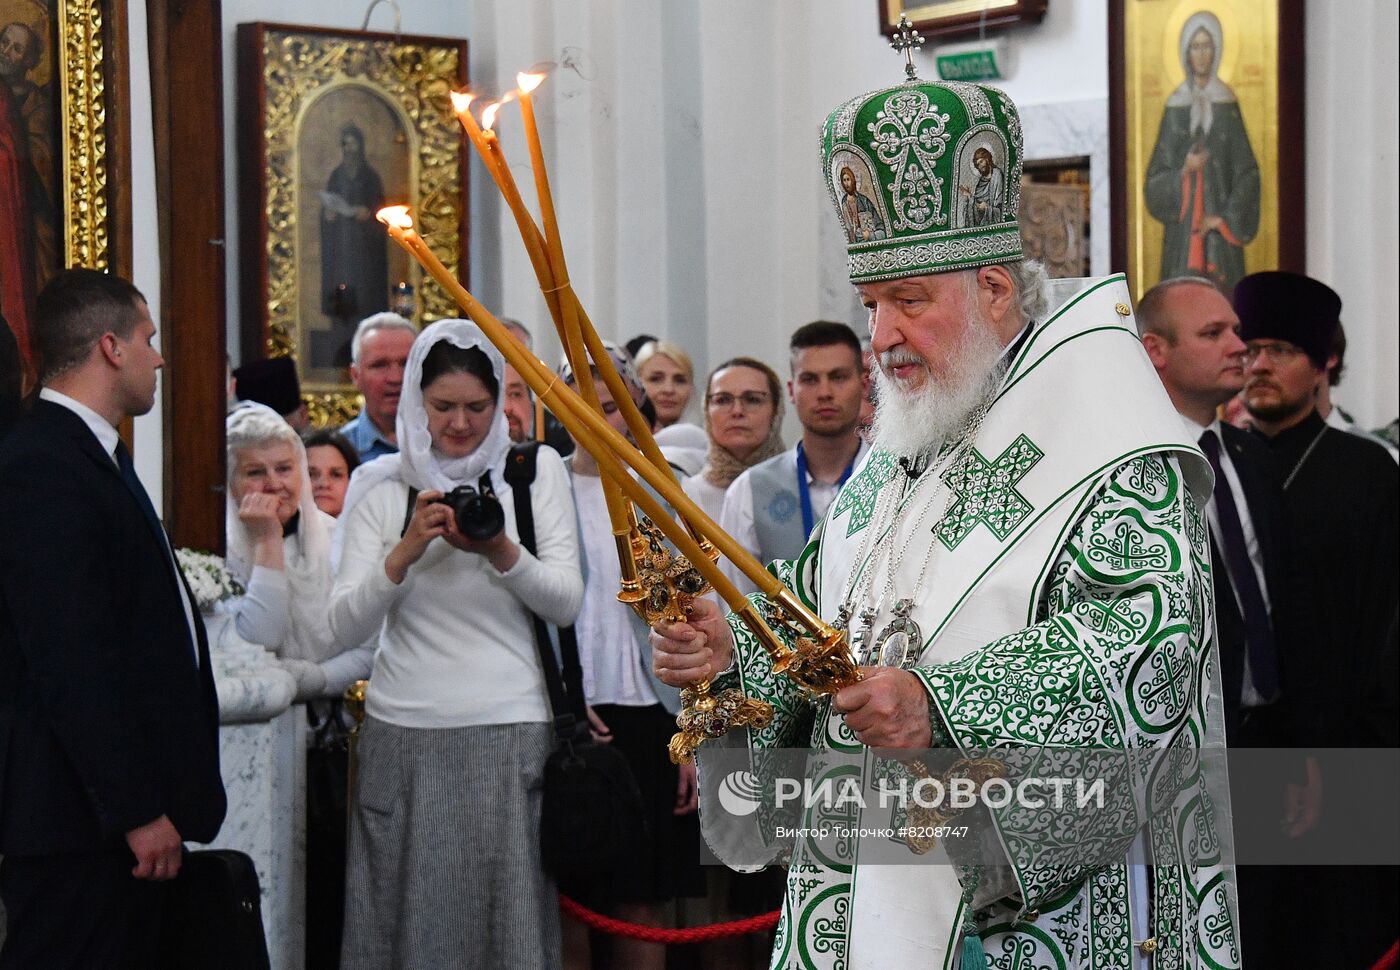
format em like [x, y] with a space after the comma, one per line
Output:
[108, 716]
[1191, 334]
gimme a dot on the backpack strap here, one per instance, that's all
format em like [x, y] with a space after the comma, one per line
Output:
[408, 514]
[566, 693]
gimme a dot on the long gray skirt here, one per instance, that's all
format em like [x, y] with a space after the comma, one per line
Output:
[443, 866]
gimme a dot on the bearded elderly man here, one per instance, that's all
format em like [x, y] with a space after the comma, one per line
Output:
[1029, 522]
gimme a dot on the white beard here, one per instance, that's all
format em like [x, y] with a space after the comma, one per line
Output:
[911, 422]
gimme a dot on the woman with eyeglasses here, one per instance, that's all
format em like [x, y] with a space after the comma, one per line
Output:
[743, 420]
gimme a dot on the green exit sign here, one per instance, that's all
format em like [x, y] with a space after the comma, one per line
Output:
[978, 65]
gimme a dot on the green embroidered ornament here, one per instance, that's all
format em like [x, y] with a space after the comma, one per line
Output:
[925, 177]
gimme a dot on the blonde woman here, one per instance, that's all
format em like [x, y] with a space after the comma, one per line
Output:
[279, 549]
[668, 377]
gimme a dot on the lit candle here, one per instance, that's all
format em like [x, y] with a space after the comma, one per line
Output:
[576, 322]
[549, 269]
[551, 275]
[606, 445]
[551, 278]
[488, 146]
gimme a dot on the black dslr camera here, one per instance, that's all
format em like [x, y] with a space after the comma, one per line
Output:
[477, 510]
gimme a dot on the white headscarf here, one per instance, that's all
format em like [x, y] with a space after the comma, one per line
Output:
[1215, 91]
[417, 464]
[306, 553]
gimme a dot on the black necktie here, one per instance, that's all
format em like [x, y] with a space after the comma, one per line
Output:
[1258, 634]
[133, 483]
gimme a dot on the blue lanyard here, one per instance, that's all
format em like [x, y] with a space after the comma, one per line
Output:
[808, 521]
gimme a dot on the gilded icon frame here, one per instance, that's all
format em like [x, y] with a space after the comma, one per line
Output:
[1260, 82]
[82, 72]
[953, 19]
[297, 87]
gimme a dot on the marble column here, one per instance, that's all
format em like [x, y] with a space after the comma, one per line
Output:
[262, 751]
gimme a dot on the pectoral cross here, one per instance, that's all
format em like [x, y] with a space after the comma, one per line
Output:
[906, 41]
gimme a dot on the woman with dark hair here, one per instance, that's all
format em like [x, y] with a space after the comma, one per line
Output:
[330, 459]
[444, 859]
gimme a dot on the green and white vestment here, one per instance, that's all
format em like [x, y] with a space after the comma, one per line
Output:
[1065, 603]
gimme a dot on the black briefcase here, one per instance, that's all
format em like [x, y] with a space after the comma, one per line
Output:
[213, 918]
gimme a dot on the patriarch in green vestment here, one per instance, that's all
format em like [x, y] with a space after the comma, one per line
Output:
[1022, 568]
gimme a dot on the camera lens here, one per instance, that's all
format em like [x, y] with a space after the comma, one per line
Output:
[479, 515]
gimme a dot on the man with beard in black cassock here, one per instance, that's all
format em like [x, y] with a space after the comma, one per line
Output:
[1342, 492]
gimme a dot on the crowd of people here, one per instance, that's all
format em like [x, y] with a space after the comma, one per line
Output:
[393, 550]
[354, 567]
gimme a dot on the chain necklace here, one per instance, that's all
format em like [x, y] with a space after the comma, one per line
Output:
[1298, 465]
[900, 643]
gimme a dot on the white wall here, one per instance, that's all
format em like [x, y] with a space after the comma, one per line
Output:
[681, 143]
[1353, 125]
[147, 450]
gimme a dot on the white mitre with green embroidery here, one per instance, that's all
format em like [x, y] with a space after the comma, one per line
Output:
[926, 178]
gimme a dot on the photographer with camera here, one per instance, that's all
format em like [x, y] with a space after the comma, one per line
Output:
[444, 859]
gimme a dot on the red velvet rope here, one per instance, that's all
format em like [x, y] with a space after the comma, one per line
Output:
[658, 934]
[1390, 958]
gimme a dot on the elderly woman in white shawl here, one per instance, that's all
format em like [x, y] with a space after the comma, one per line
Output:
[279, 548]
[444, 865]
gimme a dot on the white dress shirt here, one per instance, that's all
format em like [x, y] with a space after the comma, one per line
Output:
[1249, 697]
[736, 517]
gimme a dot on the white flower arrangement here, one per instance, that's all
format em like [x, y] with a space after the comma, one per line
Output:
[209, 578]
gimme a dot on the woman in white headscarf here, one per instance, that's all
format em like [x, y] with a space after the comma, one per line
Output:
[743, 422]
[279, 549]
[444, 860]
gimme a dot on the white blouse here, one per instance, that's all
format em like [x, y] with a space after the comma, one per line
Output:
[609, 652]
[456, 642]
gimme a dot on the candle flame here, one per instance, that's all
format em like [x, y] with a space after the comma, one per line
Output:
[488, 115]
[396, 216]
[528, 81]
[461, 100]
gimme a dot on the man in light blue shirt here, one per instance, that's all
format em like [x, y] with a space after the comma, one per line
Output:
[378, 355]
